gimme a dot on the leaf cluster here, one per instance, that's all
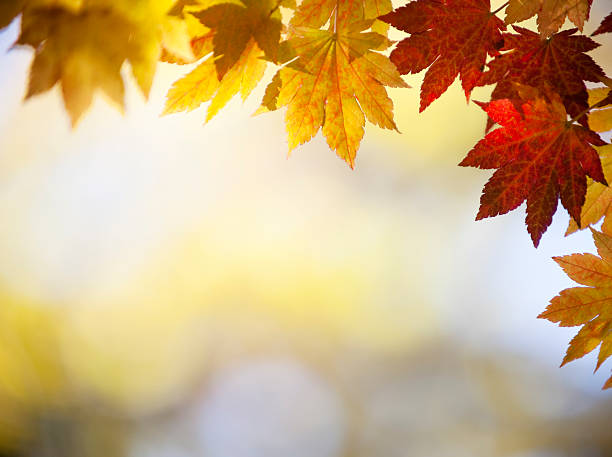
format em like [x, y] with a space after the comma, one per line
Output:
[550, 106]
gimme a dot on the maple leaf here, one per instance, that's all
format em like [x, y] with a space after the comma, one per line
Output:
[84, 49]
[551, 13]
[591, 306]
[451, 37]
[540, 157]
[242, 36]
[82, 65]
[558, 63]
[202, 84]
[337, 80]
[235, 25]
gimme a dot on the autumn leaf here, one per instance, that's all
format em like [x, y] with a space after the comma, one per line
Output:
[93, 61]
[559, 62]
[540, 157]
[202, 84]
[84, 50]
[337, 80]
[234, 26]
[242, 36]
[591, 306]
[452, 38]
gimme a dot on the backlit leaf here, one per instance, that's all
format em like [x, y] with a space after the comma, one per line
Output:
[235, 26]
[338, 80]
[539, 156]
[591, 306]
[202, 84]
[83, 47]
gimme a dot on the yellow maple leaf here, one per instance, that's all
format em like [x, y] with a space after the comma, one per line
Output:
[81, 65]
[589, 306]
[337, 80]
[202, 83]
[236, 25]
[82, 45]
[241, 35]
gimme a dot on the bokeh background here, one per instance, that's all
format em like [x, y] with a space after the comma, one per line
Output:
[169, 289]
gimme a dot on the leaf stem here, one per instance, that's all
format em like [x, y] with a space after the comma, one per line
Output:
[500, 8]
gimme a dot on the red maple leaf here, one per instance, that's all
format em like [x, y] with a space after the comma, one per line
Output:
[451, 37]
[540, 157]
[558, 62]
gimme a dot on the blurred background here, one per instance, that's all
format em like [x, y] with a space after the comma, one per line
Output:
[169, 289]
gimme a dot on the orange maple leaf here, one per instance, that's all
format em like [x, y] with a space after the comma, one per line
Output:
[84, 52]
[337, 80]
[591, 306]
